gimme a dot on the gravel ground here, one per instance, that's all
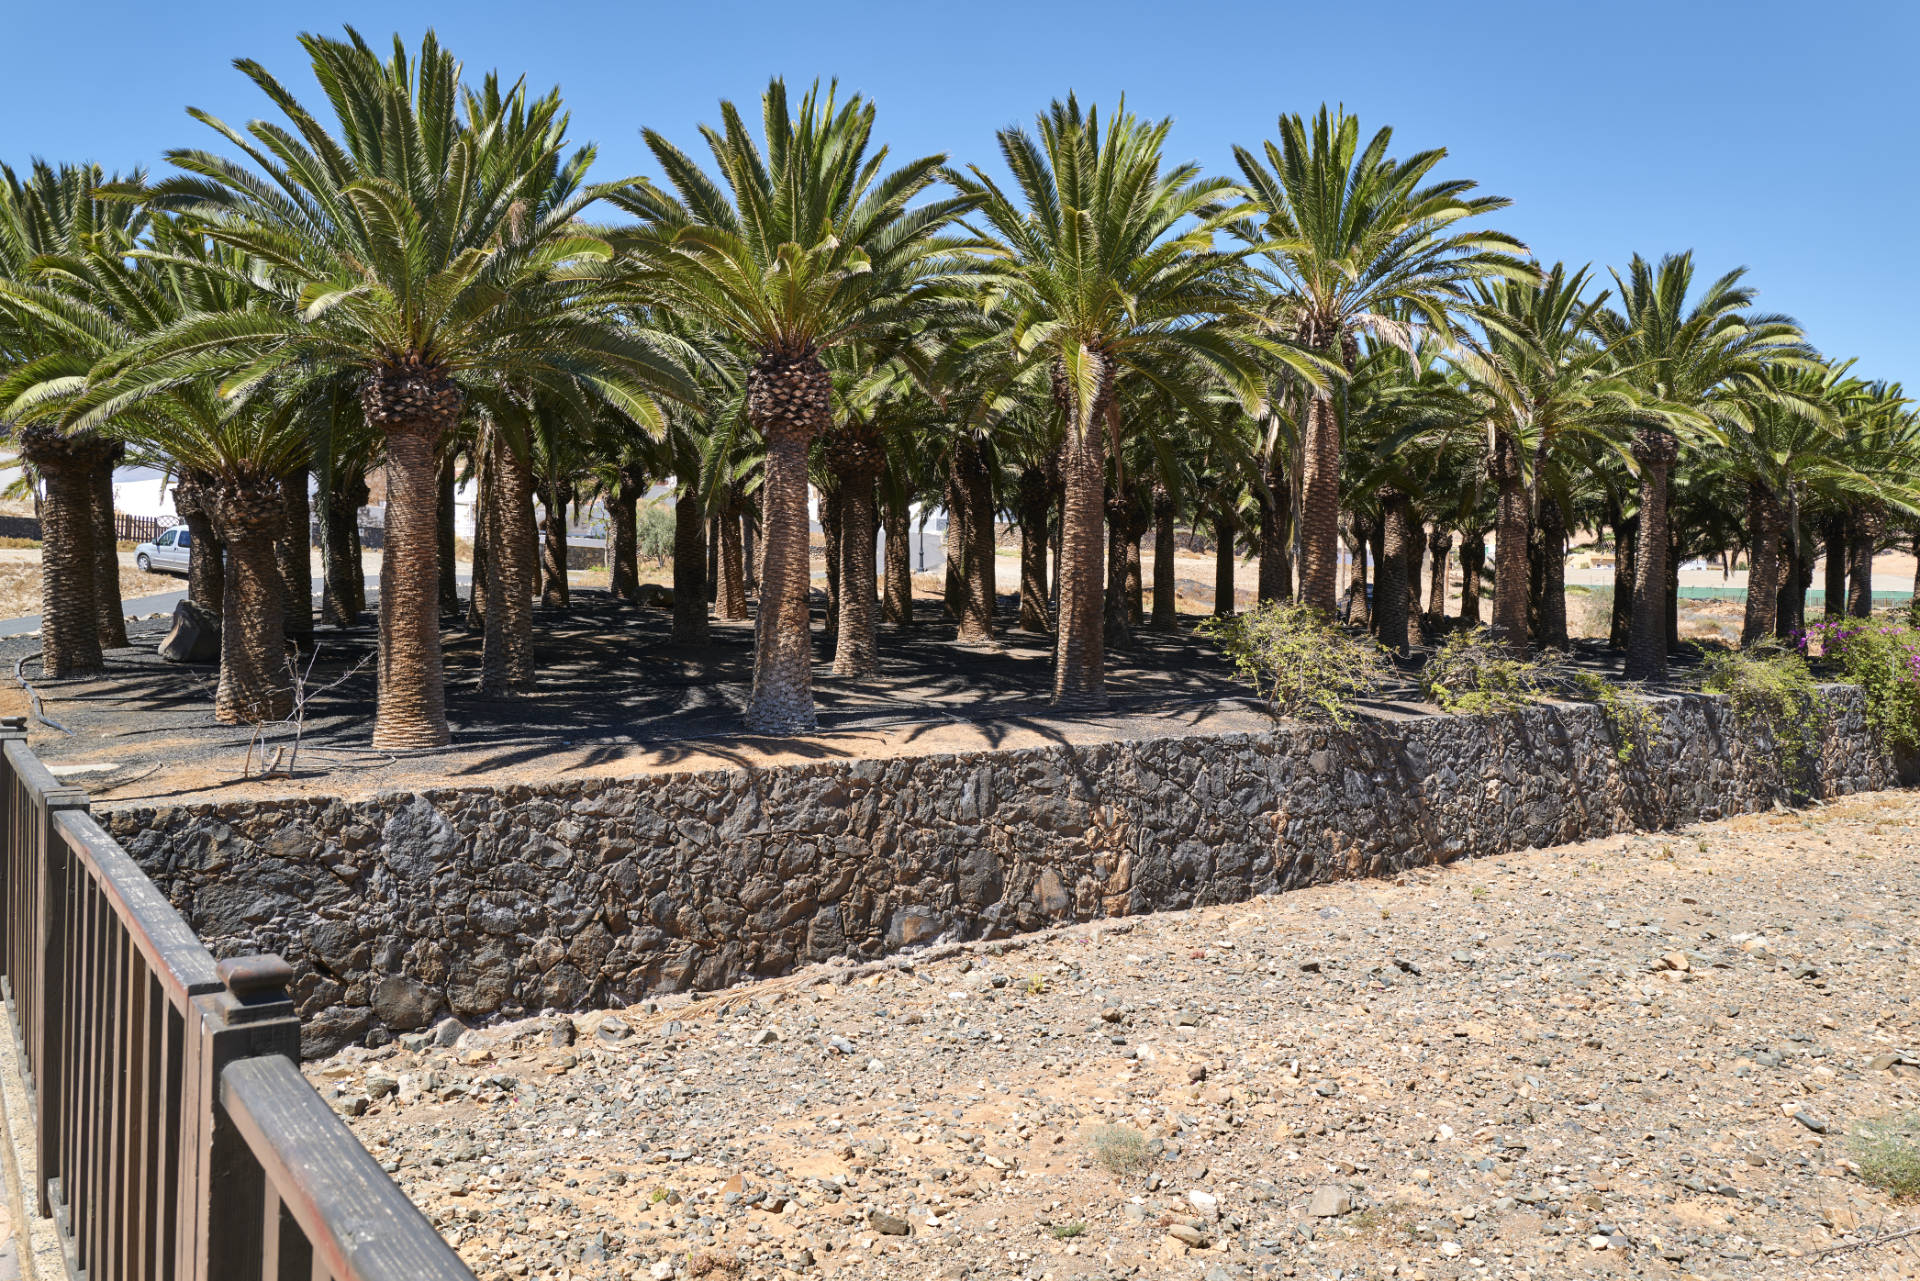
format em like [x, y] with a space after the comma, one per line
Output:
[1641, 1056]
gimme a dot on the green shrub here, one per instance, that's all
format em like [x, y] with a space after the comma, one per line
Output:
[1631, 719]
[1121, 1150]
[1772, 692]
[1882, 657]
[1474, 672]
[1888, 1153]
[1302, 663]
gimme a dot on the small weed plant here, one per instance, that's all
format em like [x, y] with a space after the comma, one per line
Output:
[1772, 692]
[1121, 1150]
[1304, 664]
[1888, 1153]
[1881, 656]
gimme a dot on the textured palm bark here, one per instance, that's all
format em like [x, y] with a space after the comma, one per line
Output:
[1036, 506]
[109, 615]
[449, 538]
[1626, 539]
[206, 575]
[1833, 537]
[1553, 574]
[294, 548]
[69, 637]
[1276, 544]
[1359, 610]
[730, 593]
[855, 650]
[1397, 629]
[689, 565]
[1513, 529]
[896, 600]
[623, 523]
[513, 554]
[1473, 565]
[830, 531]
[556, 502]
[1440, 548]
[1165, 603]
[788, 400]
[1225, 594]
[256, 678]
[1860, 567]
[340, 599]
[982, 590]
[1320, 506]
[1763, 565]
[413, 409]
[1079, 667]
[1647, 629]
[1119, 518]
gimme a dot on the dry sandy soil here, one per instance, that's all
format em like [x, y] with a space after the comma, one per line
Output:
[1636, 1057]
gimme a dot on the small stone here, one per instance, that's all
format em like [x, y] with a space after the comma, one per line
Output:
[1330, 1203]
[888, 1224]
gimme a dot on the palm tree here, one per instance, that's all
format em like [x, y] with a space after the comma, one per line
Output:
[1693, 361]
[1352, 242]
[801, 245]
[1541, 379]
[406, 250]
[1106, 264]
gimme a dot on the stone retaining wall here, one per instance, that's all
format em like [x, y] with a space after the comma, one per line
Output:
[504, 900]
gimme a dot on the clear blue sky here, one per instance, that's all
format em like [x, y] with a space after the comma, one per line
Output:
[1778, 136]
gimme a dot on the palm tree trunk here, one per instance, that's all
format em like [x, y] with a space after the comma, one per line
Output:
[1225, 599]
[109, 615]
[1860, 567]
[830, 531]
[1647, 631]
[1079, 666]
[295, 550]
[449, 536]
[623, 523]
[689, 566]
[854, 651]
[1473, 564]
[256, 679]
[555, 502]
[1359, 609]
[1119, 633]
[789, 401]
[1440, 542]
[206, 575]
[1553, 574]
[1165, 612]
[1763, 565]
[1513, 532]
[69, 631]
[413, 411]
[1391, 595]
[514, 552]
[976, 493]
[896, 605]
[731, 591]
[1036, 505]
[1320, 506]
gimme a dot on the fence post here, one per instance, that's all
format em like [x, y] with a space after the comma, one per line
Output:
[222, 1189]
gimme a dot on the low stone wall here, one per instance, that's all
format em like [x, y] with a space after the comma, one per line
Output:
[502, 901]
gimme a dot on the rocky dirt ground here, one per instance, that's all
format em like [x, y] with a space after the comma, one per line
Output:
[1636, 1057]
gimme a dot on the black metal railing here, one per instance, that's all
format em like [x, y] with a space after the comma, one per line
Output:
[174, 1137]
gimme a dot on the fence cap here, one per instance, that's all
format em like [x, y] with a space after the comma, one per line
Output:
[246, 976]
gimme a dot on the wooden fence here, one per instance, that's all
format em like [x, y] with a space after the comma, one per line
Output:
[175, 1138]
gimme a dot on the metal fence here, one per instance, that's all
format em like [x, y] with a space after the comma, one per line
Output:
[175, 1139]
